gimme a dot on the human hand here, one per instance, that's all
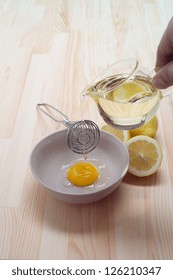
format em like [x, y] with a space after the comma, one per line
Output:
[164, 59]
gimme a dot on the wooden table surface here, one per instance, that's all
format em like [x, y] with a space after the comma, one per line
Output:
[49, 51]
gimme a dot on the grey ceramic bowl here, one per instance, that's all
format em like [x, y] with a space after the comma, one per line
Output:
[52, 152]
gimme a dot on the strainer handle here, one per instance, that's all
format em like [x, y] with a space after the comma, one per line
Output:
[63, 121]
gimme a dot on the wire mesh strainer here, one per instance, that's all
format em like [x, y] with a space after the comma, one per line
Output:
[82, 136]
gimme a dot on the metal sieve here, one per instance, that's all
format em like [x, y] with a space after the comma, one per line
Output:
[82, 136]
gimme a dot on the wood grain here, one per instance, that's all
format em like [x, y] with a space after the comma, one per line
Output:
[49, 51]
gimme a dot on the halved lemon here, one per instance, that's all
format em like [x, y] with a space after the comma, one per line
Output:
[145, 155]
[123, 135]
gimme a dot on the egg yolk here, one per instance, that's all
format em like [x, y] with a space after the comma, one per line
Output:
[82, 174]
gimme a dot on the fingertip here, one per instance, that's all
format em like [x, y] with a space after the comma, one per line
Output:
[157, 68]
[159, 83]
[164, 77]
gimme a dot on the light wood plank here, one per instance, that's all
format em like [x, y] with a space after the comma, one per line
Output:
[49, 52]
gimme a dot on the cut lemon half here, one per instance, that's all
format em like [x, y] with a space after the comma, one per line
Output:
[145, 155]
[123, 135]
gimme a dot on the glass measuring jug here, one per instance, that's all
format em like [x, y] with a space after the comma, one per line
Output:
[125, 95]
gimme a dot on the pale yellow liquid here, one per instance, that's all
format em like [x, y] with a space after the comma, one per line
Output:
[130, 105]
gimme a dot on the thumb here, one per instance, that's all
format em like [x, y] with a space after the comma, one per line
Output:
[164, 77]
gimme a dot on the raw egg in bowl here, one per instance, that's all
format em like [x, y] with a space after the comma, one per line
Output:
[74, 178]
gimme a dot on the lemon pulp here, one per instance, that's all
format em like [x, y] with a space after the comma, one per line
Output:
[82, 174]
[145, 155]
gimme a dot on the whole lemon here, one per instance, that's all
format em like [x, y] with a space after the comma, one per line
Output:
[148, 129]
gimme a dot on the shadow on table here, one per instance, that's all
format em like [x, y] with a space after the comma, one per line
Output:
[148, 181]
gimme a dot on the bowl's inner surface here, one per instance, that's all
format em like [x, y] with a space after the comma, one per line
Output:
[51, 153]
